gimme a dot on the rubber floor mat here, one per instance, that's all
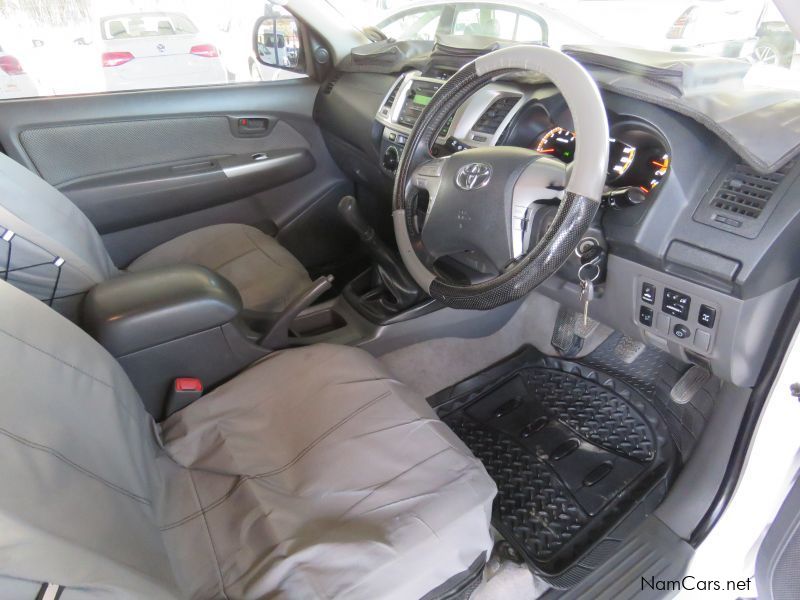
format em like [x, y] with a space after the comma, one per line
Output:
[573, 451]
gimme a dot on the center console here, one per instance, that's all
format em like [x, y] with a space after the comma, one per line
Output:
[480, 121]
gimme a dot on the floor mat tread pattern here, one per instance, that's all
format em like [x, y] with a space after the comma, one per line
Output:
[574, 451]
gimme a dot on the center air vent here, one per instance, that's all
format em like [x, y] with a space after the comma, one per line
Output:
[490, 120]
[742, 199]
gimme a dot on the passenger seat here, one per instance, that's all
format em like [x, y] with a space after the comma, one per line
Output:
[311, 475]
[51, 250]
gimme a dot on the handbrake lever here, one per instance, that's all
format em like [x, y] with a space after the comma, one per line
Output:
[278, 334]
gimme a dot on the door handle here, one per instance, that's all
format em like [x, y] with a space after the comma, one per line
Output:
[251, 126]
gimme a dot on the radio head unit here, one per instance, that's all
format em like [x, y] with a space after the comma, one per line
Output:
[419, 95]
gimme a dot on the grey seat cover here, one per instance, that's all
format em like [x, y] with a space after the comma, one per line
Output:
[48, 226]
[310, 475]
[46, 229]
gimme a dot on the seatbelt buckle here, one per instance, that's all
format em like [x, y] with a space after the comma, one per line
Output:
[183, 392]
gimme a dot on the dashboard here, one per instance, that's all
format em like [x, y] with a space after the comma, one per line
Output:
[701, 247]
[506, 114]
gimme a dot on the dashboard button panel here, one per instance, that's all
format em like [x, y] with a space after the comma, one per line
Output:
[676, 304]
[682, 332]
[668, 312]
[648, 293]
[707, 316]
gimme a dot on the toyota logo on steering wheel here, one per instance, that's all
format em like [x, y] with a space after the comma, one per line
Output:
[473, 176]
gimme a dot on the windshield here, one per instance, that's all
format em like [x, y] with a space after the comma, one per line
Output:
[748, 30]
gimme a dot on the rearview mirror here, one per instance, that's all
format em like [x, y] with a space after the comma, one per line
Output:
[277, 42]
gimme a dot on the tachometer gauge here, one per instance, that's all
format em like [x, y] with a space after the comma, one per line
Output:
[558, 142]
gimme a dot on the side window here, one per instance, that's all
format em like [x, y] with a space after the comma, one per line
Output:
[53, 47]
[413, 25]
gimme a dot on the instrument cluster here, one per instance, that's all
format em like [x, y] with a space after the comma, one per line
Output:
[638, 158]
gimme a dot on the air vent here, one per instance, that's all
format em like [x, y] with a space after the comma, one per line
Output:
[390, 100]
[745, 193]
[329, 85]
[742, 199]
[490, 120]
[386, 109]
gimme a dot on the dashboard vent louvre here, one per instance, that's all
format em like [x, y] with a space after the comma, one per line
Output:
[329, 85]
[490, 120]
[386, 109]
[393, 95]
[745, 193]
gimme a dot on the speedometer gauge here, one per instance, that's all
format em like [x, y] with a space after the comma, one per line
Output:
[558, 142]
[620, 159]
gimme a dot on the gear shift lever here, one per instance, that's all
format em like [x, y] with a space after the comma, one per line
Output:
[393, 274]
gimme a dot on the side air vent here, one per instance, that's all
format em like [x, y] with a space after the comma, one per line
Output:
[742, 199]
[386, 109]
[745, 193]
[490, 120]
[390, 100]
[331, 83]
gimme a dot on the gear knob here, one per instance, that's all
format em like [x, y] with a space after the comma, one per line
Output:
[391, 269]
[348, 209]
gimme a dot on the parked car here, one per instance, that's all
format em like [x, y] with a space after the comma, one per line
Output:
[14, 81]
[734, 23]
[776, 43]
[504, 20]
[751, 29]
[157, 49]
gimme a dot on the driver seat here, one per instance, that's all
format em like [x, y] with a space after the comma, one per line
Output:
[310, 475]
[50, 249]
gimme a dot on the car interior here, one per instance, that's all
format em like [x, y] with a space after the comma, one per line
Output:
[437, 310]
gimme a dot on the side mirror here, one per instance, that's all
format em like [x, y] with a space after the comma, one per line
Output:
[277, 43]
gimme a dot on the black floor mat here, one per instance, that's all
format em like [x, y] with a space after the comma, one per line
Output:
[577, 456]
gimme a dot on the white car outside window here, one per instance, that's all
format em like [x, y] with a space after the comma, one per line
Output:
[157, 50]
[14, 81]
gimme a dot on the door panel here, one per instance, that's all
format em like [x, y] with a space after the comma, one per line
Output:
[115, 201]
[148, 166]
[64, 153]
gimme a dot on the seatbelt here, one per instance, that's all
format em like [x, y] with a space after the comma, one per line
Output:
[50, 591]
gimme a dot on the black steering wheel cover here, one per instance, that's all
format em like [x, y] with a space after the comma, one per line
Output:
[573, 219]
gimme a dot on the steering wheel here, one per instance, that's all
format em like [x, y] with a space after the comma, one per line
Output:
[479, 198]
